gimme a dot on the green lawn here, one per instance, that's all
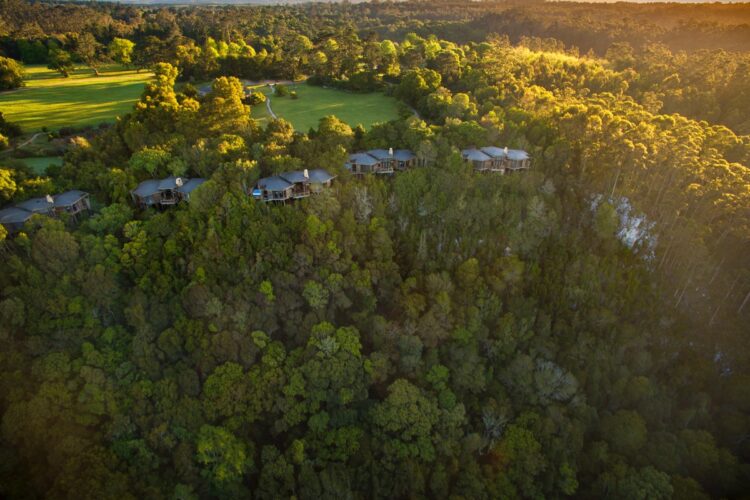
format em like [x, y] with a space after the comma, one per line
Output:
[316, 102]
[39, 165]
[50, 100]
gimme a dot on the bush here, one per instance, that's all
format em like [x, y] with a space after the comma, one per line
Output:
[256, 98]
[281, 90]
[11, 73]
[4, 143]
[364, 81]
[293, 94]
[9, 129]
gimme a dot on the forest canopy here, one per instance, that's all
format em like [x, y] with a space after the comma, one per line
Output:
[575, 330]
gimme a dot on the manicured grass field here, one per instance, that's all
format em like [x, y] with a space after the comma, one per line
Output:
[316, 102]
[50, 100]
[39, 165]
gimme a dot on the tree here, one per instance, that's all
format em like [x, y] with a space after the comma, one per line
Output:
[11, 74]
[225, 459]
[88, 50]
[7, 184]
[223, 109]
[121, 51]
[405, 423]
[60, 61]
[625, 431]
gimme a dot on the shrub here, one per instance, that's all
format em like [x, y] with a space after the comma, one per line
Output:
[281, 90]
[293, 94]
[9, 129]
[256, 98]
[11, 73]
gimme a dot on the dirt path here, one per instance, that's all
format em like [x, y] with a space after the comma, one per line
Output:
[29, 141]
[270, 111]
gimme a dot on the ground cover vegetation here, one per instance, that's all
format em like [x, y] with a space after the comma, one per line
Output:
[310, 103]
[49, 100]
[578, 330]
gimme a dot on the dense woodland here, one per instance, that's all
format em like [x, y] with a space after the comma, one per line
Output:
[579, 330]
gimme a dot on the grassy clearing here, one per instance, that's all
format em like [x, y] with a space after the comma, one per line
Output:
[316, 102]
[50, 100]
[39, 165]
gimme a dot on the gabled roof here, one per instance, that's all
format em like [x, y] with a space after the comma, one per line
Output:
[517, 154]
[475, 155]
[274, 183]
[14, 215]
[170, 182]
[190, 184]
[36, 205]
[147, 188]
[363, 159]
[495, 152]
[320, 176]
[68, 198]
[403, 155]
[294, 176]
[380, 154]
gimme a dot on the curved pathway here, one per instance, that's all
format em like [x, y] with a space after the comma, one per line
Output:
[29, 141]
[270, 111]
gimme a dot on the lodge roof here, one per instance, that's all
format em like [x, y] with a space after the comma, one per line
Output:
[150, 187]
[147, 188]
[517, 154]
[295, 176]
[169, 183]
[475, 155]
[274, 183]
[495, 152]
[190, 184]
[380, 154]
[68, 198]
[363, 159]
[37, 205]
[320, 176]
[14, 215]
[403, 155]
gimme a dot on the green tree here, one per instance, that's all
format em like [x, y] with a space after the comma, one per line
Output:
[89, 50]
[225, 459]
[60, 61]
[120, 50]
[11, 74]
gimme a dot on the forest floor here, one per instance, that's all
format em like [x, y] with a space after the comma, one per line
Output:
[52, 101]
[314, 103]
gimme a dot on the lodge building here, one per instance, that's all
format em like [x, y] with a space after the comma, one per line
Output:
[380, 161]
[486, 159]
[73, 203]
[494, 159]
[164, 192]
[293, 185]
